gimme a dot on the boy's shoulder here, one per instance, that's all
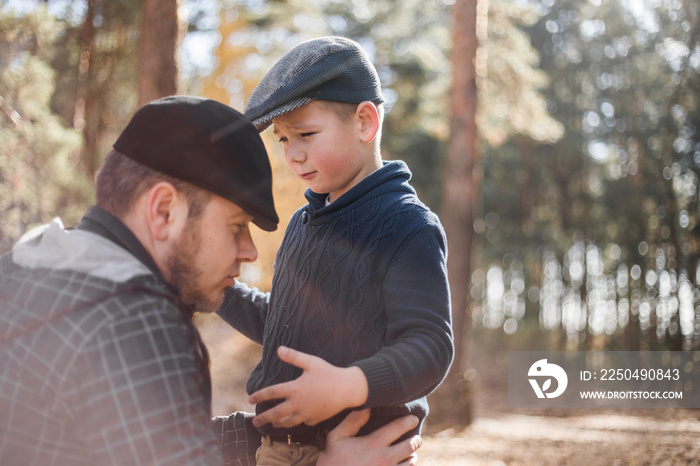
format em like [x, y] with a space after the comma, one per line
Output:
[405, 201]
[407, 214]
[419, 213]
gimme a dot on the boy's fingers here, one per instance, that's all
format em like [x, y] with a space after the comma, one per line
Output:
[350, 426]
[287, 421]
[273, 392]
[294, 357]
[273, 415]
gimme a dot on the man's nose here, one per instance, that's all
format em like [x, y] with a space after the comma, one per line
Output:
[247, 252]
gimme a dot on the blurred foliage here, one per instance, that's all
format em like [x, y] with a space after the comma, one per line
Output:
[38, 153]
[96, 65]
[68, 88]
[510, 80]
[596, 235]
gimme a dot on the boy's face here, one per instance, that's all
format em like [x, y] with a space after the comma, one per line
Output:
[323, 149]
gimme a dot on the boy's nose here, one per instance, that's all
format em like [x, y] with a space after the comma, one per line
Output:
[295, 154]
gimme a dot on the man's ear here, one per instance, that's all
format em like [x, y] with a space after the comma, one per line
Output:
[164, 210]
[368, 117]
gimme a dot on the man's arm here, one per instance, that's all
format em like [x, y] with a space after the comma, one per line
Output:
[245, 310]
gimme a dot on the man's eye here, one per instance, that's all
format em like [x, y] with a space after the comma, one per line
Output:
[237, 228]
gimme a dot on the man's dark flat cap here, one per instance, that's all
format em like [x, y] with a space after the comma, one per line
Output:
[207, 144]
[327, 68]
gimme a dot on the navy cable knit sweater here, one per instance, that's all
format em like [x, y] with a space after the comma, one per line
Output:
[362, 281]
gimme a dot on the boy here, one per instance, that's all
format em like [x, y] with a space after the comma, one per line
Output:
[360, 278]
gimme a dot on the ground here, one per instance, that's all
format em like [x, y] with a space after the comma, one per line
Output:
[594, 439]
[498, 435]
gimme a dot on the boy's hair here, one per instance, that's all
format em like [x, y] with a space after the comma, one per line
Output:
[332, 69]
[344, 111]
[121, 180]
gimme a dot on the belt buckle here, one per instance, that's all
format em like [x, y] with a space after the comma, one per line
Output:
[292, 442]
[318, 441]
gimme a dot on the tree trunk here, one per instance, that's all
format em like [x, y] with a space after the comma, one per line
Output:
[158, 42]
[452, 401]
[82, 118]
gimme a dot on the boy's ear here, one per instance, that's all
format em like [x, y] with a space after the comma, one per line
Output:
[368, 117]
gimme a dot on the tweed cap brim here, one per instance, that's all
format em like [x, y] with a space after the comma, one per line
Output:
[327, 68]
[264, 122]
[207, 144]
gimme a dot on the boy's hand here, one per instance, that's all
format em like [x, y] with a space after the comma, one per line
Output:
[375, 449]
[322, 391]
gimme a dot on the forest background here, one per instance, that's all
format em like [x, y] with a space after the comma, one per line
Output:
[557, 140]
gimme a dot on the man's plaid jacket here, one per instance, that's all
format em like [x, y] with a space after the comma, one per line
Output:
[100, 363]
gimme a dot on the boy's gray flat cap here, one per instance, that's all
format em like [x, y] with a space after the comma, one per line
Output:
[327, 68]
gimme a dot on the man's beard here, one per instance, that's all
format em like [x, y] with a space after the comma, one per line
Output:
[184, 273]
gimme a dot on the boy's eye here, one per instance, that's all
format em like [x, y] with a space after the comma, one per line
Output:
[304, 135]
[283, 140]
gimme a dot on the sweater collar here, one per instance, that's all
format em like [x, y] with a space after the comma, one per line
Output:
[392, 176]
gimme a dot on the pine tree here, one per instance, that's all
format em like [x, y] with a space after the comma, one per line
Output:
[38, 154]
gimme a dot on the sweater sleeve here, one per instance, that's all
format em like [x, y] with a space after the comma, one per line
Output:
[419, 329]
[245, 309]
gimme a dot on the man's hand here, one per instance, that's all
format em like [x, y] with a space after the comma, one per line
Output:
[375, 449]
[322, 391]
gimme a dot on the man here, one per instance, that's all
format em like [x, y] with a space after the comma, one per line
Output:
[99, 360]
